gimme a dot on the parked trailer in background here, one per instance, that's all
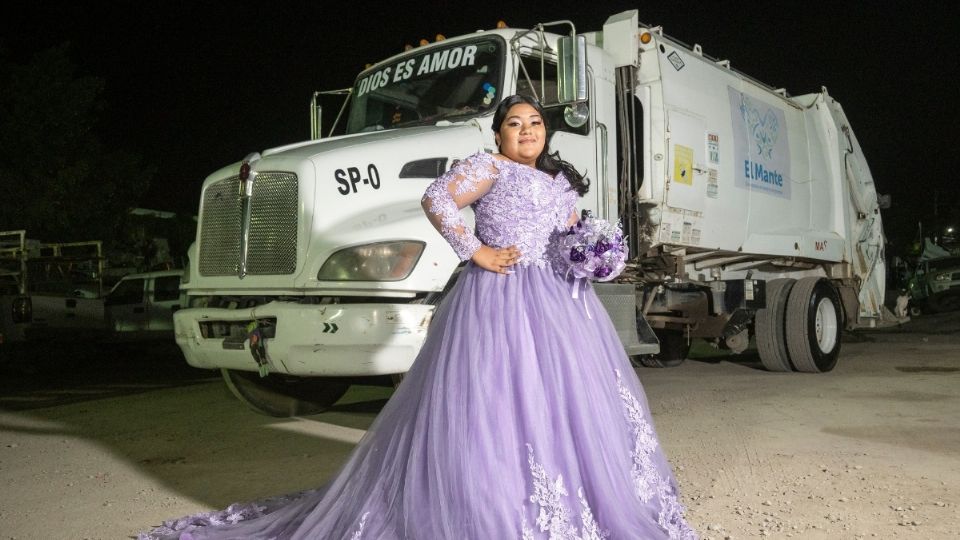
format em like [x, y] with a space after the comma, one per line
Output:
[750, 213]
[54, 292]
[49, 291]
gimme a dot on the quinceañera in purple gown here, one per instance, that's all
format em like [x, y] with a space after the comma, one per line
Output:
[521, 418]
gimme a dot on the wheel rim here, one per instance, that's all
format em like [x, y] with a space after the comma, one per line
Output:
[826, 325]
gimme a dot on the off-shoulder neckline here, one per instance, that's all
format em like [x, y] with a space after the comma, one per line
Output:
[507, 160]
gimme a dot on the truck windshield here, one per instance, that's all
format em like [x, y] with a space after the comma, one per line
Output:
[454, 82]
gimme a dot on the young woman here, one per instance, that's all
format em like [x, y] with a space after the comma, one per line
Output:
[521, 417]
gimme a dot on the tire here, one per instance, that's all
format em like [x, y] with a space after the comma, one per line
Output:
[770, 327]
[814, 320]
[674, 347]
[282, 396]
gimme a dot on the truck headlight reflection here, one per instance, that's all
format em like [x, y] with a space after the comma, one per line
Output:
[381, 261]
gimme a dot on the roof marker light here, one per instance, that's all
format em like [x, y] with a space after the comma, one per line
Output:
[645, 38]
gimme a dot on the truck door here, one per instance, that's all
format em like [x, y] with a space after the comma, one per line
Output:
[165, 299]
[126, 306]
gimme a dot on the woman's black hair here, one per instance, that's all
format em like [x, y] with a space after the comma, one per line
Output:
[546, 162]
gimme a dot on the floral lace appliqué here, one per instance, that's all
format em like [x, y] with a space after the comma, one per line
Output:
[554, 516]
[231, 515]
[524, 208]
[513, 204]
[647, 481]
[467, 179]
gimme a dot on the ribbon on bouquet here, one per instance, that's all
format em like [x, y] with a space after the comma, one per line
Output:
[575, 293]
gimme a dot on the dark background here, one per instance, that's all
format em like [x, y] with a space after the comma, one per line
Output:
[193, 86]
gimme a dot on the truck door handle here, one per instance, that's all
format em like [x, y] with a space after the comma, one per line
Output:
[138, 309]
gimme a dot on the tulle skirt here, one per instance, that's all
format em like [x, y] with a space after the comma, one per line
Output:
[521, 418]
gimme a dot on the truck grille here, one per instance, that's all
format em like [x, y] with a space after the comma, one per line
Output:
[273, 226]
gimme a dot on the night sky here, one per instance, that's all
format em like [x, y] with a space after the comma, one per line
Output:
[194, 87]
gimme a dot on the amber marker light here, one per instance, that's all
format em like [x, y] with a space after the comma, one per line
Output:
[424, 42]
[645, 38]
[501, 24]
[440, 37]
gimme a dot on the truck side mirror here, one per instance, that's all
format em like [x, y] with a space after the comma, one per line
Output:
[572, 78]
[316, 111]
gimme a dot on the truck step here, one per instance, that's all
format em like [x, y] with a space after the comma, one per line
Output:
[620, 301]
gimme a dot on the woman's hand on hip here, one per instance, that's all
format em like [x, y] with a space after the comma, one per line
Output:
[497, 260]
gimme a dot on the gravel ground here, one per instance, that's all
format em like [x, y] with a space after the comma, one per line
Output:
[107, 446]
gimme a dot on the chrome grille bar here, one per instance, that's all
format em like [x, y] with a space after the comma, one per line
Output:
[272, 226]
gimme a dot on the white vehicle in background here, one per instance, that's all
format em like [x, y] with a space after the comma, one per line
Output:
[53, 292]
[750, 213]
[141, 306]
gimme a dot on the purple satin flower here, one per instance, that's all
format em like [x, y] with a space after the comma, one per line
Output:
[602, 272]
[577, 254]
[601, 247]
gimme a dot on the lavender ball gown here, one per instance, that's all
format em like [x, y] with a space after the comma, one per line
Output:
[521, 417]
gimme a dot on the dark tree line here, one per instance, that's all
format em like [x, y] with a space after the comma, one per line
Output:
[60, 179]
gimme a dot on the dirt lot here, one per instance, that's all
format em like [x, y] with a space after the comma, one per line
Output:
[106, 444]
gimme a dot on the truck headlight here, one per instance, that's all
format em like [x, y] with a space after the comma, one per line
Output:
[943, 277]
[382, 261]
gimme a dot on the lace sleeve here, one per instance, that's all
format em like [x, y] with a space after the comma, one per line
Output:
[459, 187]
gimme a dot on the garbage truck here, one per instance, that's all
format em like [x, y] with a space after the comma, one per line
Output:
[750, 213]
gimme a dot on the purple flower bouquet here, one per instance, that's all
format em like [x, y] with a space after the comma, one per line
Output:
[593, 249]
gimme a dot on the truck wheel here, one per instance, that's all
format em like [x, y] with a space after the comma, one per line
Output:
[283, 396]
[813, 325]
[674, 347]
[770, 326]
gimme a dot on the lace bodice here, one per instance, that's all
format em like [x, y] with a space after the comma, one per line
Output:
[514, 204]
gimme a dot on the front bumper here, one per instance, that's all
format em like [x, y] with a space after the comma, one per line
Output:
[311, 340]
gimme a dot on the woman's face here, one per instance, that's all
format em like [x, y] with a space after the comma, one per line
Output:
[522, 134]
